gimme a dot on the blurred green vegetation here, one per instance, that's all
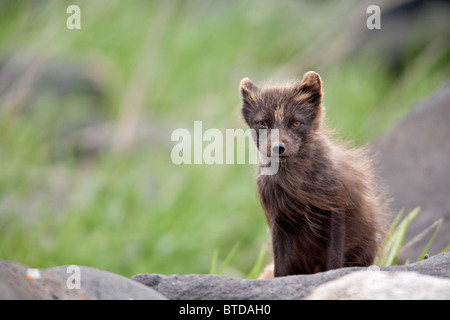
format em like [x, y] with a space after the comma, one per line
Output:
[136, 71]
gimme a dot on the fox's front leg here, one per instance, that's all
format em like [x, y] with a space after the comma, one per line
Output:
[336, 242]
[282, 250]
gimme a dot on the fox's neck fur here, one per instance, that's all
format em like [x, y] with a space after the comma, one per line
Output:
[309, 180]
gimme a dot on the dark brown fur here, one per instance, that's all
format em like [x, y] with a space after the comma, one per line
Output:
[323, 207]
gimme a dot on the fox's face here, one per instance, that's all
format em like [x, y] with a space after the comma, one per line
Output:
[296, 112]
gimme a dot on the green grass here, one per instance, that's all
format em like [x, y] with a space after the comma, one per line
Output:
[394, 242]
[395, 238]
[161, 65]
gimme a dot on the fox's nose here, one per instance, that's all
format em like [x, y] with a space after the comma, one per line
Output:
[278, 149]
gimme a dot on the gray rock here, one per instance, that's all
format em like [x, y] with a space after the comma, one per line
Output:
[438, 265]
[414, 161]
[20, 282]
[216, 287]
[197, 287]
[16, 284]
[380, 285]
[104, 285]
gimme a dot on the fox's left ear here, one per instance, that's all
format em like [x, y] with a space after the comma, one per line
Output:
[310, 91]
[310, 88]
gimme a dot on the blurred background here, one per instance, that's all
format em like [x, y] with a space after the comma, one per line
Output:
[86, 118]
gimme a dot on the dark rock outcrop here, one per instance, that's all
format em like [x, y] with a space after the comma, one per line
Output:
[414, 162]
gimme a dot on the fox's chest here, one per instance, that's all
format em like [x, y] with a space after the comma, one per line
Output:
[279, 201]
[291, 208]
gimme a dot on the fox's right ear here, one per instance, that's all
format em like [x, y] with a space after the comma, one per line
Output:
[247, 90]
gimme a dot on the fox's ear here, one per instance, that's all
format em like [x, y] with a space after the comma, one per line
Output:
[310, 89]
[248, 92]
[247, 89]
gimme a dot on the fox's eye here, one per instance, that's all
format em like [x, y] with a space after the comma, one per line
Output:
[296, 124]
[262, 124]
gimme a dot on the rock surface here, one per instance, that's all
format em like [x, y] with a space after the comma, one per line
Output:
[19, 282]
[428, 279]
[197, 287]
[414, 162]
[105, 285]
[378, 285]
